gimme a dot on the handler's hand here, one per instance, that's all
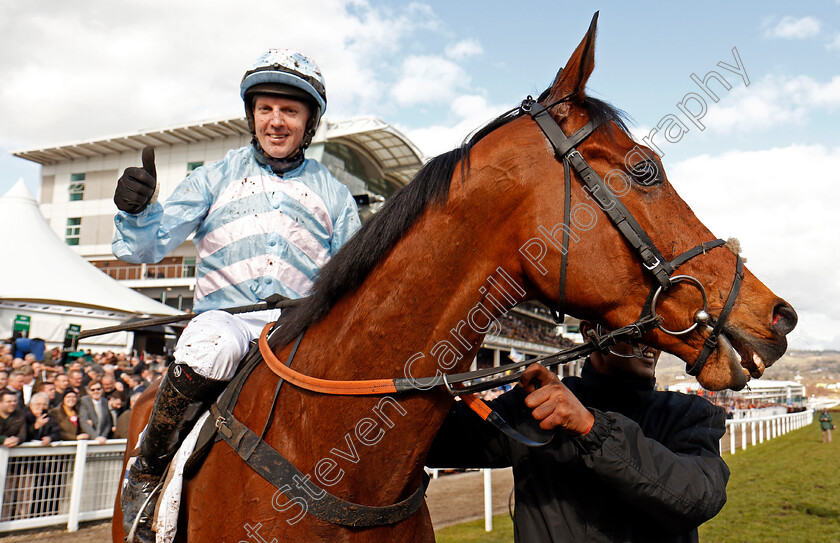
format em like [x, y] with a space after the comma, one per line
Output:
[136, 187]
[552, 404]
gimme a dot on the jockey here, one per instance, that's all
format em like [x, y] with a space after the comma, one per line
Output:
[265, 220]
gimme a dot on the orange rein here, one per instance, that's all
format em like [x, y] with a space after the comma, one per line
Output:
[345, 388]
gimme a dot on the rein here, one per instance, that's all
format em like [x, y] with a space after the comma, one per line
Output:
[275, 301]
[484, 379]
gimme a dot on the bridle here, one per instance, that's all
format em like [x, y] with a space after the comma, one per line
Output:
[467, 383]
[565, 150]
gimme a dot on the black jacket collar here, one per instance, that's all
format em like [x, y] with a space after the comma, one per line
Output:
[612, 393]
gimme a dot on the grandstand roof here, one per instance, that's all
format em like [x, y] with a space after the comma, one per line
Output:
[388, 148]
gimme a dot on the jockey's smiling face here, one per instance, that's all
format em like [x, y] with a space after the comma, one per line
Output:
[280, 124]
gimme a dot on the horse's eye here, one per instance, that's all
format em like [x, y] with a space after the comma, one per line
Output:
[647, 173]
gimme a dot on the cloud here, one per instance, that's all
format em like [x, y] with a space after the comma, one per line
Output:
[74, 72]
[791, 28]
[464, 49]
[774, 100]
[779, 203]
[428, 79]
[834, 45]
[470, 112]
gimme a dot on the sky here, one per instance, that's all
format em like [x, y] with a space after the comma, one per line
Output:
[759, 163]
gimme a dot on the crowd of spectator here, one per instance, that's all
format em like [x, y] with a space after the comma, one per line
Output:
[514, 326]
[61, 398]
[735, 405]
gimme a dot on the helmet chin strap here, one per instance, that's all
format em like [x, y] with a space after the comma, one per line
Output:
[278, 165]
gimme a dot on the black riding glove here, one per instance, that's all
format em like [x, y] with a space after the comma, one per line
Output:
[136, 187]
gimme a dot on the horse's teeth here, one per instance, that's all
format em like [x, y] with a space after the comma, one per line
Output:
[759, 363]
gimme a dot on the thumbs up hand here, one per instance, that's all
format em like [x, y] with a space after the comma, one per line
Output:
[136, 187]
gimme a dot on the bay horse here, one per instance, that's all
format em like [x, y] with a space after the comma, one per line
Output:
[415, 291]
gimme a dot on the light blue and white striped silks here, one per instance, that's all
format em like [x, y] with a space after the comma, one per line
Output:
[256, 233]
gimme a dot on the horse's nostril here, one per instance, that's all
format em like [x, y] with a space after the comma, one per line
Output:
[784, 318]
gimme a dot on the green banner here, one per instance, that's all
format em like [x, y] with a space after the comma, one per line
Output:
[22, 323]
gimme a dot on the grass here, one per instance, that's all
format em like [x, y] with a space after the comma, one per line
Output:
[786, 490]
[473, 532]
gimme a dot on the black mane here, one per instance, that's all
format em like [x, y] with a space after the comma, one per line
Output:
[346, 271]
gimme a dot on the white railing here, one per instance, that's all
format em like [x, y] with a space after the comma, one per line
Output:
[64, 483]
[76, 481]
[151, 271]
[758, 429]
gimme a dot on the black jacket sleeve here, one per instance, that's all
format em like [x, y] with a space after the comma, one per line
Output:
[50, 429]
[466, 441]
[15, 426]
[681, 481]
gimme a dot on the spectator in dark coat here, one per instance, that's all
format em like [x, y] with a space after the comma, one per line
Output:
[61, 383]
[40, 426]
[15, 385]
[121, 431]
[74, 377]
[12, 423]
[626, 463]
[116, 403]
[134, 383]
[48, 388]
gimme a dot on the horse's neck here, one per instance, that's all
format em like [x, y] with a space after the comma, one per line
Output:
[436, 289]
[424, 310]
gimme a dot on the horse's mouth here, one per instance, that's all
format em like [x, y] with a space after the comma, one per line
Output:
[751, 362]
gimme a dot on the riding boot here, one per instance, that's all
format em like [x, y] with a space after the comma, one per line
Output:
[181, 398]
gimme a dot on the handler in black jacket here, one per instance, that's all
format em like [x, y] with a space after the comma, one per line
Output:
[626, 463]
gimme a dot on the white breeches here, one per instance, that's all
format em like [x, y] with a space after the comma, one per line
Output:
[214, 342]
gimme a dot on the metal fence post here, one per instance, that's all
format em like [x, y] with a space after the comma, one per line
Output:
[488, 501]
[78, 485]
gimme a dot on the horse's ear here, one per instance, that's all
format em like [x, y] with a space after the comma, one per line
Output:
[571, 80]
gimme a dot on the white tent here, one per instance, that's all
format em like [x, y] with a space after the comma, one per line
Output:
[42, 278]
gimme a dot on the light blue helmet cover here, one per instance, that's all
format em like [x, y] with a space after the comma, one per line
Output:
[289, 68]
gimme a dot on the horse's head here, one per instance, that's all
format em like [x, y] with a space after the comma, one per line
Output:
[606, 277]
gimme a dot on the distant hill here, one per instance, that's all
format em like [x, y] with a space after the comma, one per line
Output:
[813, 367]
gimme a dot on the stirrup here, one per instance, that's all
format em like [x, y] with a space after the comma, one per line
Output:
[132, 533]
